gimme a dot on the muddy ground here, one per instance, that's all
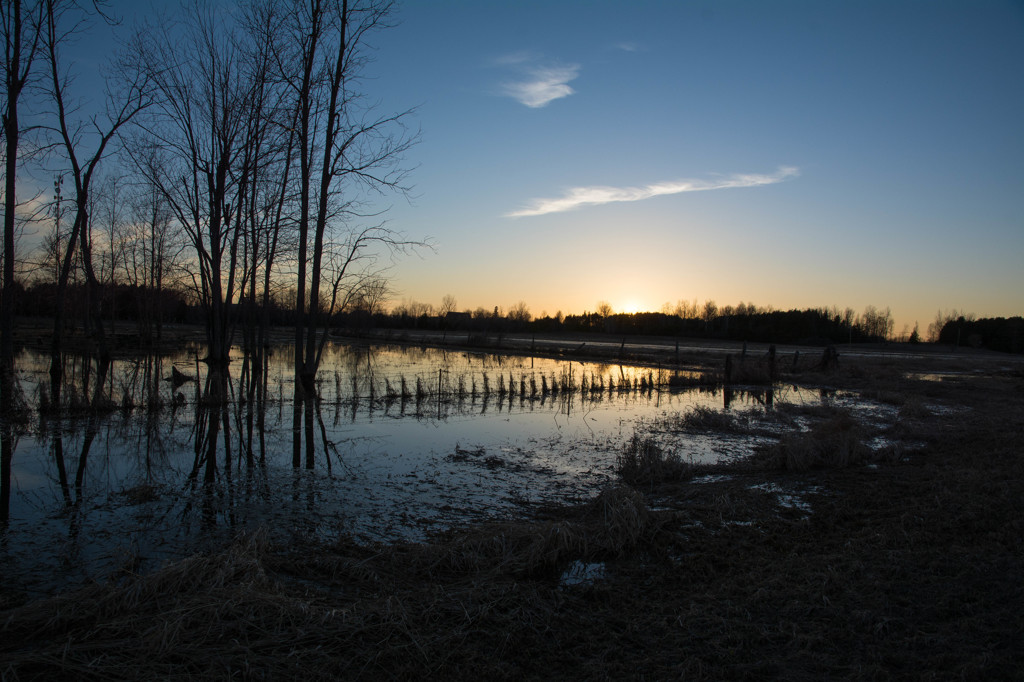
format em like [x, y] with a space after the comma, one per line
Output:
[820, 558]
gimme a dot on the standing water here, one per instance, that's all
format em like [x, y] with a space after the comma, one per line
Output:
[399, 442]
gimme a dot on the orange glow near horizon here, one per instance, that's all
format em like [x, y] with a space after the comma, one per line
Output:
[630, 307]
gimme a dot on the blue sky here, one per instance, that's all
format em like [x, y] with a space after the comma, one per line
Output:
[791, 153]
[865, 153]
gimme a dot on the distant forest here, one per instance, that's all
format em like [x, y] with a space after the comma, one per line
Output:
[815, 326]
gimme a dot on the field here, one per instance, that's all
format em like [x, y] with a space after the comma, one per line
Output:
[817, 558]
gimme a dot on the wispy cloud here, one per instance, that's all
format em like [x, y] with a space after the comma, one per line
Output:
[594, 196]
[542, 85]
[516, 58]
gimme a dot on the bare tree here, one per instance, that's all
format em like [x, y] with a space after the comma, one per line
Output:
[343, 148]
[153, 245]
[520, 313]
[877, 323]
[192, 141]
[62, 20]
[20, 26]
[374, 294]
[448, 305]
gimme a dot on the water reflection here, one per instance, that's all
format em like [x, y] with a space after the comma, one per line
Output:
[150, 457]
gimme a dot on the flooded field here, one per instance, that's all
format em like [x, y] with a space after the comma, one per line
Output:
[402, 442]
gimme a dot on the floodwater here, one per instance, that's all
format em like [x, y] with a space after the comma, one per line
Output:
[401, 443]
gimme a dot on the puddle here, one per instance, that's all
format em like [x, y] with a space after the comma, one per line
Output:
[787, 498]
[582, 573]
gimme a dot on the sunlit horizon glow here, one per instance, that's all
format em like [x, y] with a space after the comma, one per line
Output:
[630, 307]
[578, 197]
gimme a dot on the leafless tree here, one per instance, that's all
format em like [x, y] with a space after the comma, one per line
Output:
[150, 256]
[448, 305]
[125, 99]
[520, 312]
[344, 149]
[374, 294]
[20, 26]
[192, 140]
[877, 323]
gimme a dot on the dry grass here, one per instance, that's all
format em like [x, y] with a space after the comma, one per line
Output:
[704, 419]
[328, 612]
[643, 463]
[835, 442]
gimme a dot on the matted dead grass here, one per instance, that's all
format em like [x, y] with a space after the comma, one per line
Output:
[904, 568]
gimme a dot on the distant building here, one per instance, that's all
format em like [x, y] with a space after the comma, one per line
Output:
[453, 320]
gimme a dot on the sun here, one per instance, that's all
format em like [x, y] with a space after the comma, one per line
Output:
[630, 307]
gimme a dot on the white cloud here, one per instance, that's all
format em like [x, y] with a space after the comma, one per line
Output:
[594, 196]
[543, 85]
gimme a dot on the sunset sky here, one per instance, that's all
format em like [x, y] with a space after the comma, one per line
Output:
[847, 153]
[791, 153]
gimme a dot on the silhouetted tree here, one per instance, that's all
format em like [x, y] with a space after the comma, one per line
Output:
[20, 26]
[196, 136]
[62, 20]
[343, 148]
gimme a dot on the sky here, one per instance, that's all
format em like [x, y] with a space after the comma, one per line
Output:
[786, 153]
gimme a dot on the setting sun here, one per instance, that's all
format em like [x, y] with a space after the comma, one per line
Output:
[630, 307]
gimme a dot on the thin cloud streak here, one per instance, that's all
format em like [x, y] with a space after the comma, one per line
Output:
[595, 196]
[545, 85]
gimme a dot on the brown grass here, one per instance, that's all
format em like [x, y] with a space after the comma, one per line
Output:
[836, 442]
[643, 463]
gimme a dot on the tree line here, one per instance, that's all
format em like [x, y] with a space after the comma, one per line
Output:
[743, 322]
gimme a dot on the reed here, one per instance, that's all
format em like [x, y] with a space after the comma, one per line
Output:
[127, 402]
[693, 380]
[643, 463]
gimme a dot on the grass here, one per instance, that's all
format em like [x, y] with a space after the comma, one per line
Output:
[643, 463]
[703, 418]
[835, 442]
